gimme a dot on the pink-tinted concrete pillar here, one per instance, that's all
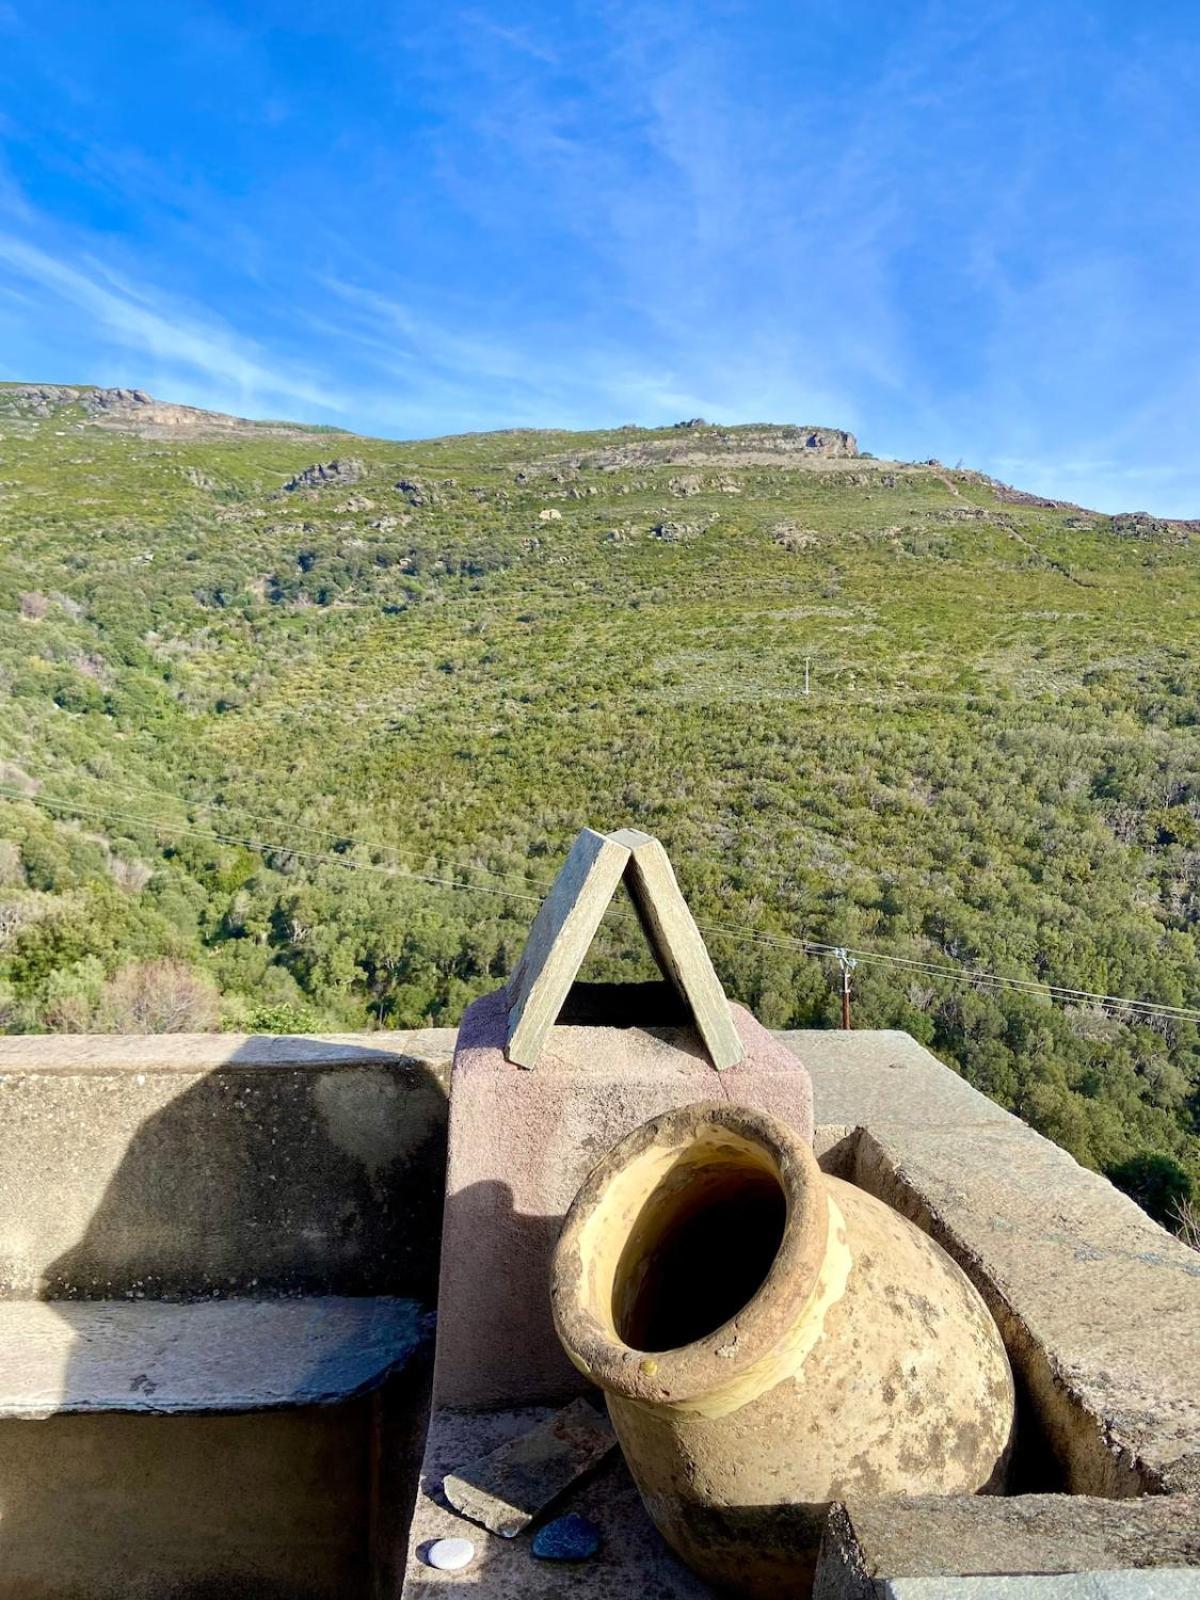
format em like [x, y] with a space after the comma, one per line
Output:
[521, 1143]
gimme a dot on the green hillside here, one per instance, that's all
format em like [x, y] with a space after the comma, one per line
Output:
[237, 715]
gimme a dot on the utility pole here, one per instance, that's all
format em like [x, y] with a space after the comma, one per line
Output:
[847, 964]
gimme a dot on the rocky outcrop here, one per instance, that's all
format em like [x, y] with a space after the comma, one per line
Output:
[1141, 525]
[420, 493]
[792, 536]
[342, 471]
[35, 399]
[698, 444]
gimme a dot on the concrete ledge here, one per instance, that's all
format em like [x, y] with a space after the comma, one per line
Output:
[204, 1052]
[219, 1355]
[871, 1075]
[1156, 1584]
[871, 1542]
[1098, 1305]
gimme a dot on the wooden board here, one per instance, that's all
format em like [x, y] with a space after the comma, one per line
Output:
[566, 924]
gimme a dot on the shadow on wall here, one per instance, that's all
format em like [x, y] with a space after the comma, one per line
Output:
[257, 1180]
[262, 1179]
[496, 1345]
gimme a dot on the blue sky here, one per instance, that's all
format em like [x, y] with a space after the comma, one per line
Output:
[968, 231]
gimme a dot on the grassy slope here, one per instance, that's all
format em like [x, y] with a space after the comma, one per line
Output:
[997, 765]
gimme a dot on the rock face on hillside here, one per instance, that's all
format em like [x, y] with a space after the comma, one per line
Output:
[1141, 525]
[132, 410]
[697, 444]
[342, 471]
[35, 399]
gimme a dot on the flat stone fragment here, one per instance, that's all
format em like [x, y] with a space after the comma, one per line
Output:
[507, 1489]
[450, 1555]
[569, 1538]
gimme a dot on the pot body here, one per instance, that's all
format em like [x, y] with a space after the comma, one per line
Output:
[883, 1373]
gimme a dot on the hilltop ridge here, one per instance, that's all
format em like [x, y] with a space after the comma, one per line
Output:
[557, 454]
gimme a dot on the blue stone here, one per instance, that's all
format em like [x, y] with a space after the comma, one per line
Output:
[569, 1538]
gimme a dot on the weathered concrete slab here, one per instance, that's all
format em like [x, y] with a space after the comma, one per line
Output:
[872, 1541]
[568, 919]
[678, 945]
[507, 1488]
[558, 940]
[867, 1075]
[632, 1561]
[1128, 1585]
[219, 1355]
[184, 1165]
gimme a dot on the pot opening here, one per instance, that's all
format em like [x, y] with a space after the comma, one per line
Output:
[700, 1249]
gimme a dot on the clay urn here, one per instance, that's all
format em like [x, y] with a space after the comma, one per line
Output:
[771, 1339]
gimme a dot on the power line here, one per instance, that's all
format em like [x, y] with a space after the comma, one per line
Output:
[968, 975]
[165, 825]
[193, 804]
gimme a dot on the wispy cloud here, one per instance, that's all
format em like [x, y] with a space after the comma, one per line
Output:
[518, 39]
[140, 320]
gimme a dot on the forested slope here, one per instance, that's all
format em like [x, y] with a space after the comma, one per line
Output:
[244, 700]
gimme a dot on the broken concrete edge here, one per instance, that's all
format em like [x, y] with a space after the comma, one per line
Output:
[870, 1543]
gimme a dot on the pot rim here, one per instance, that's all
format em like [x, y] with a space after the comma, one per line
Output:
[728, 1354]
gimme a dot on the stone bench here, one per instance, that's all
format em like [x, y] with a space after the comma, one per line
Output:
[230, 1447]
[217, 1258]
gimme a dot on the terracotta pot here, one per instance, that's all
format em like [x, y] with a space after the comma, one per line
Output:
[771, 1339]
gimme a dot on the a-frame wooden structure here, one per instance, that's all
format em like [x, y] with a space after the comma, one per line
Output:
[566, 924]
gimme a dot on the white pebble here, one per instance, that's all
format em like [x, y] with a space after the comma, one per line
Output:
[450, 1555]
